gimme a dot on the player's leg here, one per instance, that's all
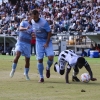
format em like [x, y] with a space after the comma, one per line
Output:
[50, 54]
[31, 48]
[14, 64]
[75, 72]
[62, 64]
[60, 68]
[40, 56]
[68, 69]
[34, 49]
[56, 67]
[40, 69]
[49, 64]
[26, 51]
[26, 70]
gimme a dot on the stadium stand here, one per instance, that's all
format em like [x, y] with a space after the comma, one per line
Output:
[64, 16]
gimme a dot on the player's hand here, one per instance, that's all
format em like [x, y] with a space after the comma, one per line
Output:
[46, 45]
[27, 27]
[93, 79]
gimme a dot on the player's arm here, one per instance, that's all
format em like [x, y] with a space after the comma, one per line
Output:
[87, 66]
[48, 30]
[48, 38]
[67, 74]
[22, 26]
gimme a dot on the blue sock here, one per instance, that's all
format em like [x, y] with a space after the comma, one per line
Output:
[40, 69]
[14, 66]
[49, 63]
[26, 70]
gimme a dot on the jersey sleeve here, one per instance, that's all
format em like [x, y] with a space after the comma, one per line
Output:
[47, 27]
[22, 24]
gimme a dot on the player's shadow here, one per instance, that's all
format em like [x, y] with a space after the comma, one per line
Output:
[89, 83]
[75, 83]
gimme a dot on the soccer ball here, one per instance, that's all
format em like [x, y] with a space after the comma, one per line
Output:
[85, 77]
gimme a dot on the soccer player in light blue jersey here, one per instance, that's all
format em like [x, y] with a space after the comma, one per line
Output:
[43, 43]
[23, 46]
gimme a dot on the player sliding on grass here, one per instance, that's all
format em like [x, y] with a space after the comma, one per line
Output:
[23, 46]
[74, 61]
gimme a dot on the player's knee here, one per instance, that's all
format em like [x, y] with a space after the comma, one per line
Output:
[62, 72]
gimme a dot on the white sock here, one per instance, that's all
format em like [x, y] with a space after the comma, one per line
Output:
[57, 68]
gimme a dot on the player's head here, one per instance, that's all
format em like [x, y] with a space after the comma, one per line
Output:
[80, 62]
[35, 15]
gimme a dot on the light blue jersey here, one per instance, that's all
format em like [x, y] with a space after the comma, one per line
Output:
[24, 40]
[27, 33]
[41, 29]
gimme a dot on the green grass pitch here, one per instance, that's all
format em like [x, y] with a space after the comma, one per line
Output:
[54, 88]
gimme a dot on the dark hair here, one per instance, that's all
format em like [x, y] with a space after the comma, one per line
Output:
[34, 12]
[81, 60]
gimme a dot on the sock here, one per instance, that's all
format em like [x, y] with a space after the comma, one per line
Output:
[75, 73]
[26, 70]
[49, 63]
[14, 66]
[57, 68]
[40, 69]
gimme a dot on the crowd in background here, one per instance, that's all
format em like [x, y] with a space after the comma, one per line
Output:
[62, 15]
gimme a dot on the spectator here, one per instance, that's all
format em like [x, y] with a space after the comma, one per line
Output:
[91, 48]
[61, 15]
[1, 48]
[96, 46]
[8, 48]
[99, 48]
[83, 54]
[78, 26]
[90, 26]
[33, 45]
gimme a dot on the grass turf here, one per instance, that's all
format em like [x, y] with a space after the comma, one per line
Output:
[54, 88]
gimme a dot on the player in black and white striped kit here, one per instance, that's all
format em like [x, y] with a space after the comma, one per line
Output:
[73, 61]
